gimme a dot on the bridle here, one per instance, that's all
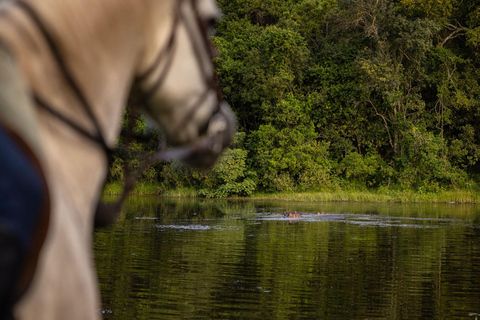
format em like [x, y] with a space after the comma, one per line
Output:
[210, 141]
[167, 53]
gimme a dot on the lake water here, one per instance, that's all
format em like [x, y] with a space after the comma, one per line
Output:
[190, 259]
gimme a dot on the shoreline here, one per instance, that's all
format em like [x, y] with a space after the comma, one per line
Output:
[375, 196]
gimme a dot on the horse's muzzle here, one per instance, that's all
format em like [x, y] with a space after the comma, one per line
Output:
[218, 135]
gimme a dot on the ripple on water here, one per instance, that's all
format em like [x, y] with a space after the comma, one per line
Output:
[194, 227]
[366, 220]
[197, 227]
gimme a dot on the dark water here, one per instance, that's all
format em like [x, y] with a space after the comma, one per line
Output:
[188, 259]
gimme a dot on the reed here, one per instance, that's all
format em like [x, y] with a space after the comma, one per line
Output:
[382, 195]
[141, 188]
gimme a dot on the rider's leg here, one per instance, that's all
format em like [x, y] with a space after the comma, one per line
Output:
[21, 198]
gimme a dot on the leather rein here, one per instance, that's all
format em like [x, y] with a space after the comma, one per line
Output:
[106, 213]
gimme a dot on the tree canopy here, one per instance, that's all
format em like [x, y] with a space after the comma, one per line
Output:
[338, 93]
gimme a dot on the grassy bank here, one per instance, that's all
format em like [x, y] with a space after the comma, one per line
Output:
[375, 196]
[384, 195]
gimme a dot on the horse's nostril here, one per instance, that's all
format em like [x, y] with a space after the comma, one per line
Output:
[220, 131]
[203, 129]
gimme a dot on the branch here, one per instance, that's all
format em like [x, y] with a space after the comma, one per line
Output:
[457, 30]
[385, 123]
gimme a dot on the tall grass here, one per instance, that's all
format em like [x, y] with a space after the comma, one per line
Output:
[459, 196]
[141, 188]
[383, 195]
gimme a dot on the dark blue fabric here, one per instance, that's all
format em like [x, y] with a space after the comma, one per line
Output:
[21, 191]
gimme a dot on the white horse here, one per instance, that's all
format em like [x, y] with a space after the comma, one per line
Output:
[78, 59]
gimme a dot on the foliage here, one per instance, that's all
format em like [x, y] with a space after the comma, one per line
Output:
[332, 94]
[286, 153]
[230, 177]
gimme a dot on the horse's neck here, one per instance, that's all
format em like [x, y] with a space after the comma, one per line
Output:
[100, 45]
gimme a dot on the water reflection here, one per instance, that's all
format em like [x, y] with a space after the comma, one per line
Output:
[189, 259]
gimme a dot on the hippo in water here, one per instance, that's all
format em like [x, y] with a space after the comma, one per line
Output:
[297, 214]
[294, 214]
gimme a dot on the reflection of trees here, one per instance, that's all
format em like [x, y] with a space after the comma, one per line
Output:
[246, 268]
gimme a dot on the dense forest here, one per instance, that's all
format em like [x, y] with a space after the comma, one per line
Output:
[344, 94]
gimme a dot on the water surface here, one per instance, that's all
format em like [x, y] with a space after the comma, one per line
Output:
[190, 259]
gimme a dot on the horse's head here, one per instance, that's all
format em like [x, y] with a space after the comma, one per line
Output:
[77, 59]
[177, 77]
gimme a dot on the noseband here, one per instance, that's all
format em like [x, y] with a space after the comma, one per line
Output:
[201, 147]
